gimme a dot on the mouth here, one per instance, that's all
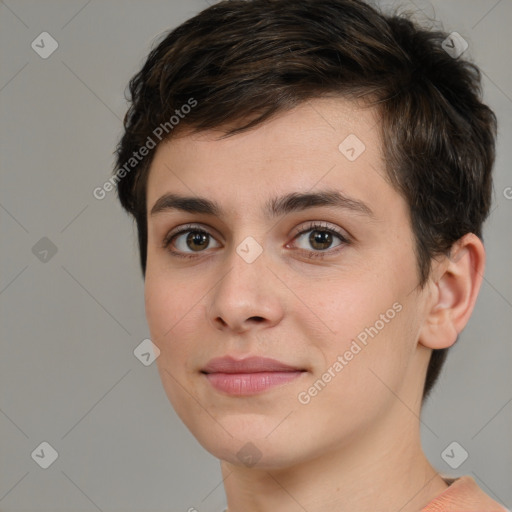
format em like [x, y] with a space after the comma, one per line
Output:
[248, 376]
[243, 384]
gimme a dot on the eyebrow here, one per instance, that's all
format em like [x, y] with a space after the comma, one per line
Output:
[274, 207]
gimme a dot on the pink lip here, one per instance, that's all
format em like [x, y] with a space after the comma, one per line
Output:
[248, 376]
[252, 364]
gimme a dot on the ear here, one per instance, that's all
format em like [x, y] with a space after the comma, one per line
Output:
[454, 283]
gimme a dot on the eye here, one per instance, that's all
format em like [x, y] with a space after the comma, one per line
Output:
[320, 238]
[188, 240]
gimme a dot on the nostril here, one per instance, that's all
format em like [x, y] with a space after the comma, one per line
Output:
[223, 322]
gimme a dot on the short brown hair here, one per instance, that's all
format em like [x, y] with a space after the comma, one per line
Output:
[253, 59]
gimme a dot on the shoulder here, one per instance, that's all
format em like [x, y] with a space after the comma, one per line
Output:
[463, 494]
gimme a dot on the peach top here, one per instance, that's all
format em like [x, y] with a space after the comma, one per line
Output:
[463, 495]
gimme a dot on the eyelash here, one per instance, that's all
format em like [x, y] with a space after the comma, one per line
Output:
[312, 226]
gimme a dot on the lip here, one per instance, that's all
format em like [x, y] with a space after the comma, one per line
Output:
[253, 364]
[248, 376]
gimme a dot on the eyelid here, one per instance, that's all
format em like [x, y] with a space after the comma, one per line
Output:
[344, 238]
[183, 229]
[296, 231]
[321, 225]
[300, 230]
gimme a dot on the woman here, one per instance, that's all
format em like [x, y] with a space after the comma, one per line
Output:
[309, 181]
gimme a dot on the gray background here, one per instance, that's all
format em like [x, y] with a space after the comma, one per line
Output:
[70, 324]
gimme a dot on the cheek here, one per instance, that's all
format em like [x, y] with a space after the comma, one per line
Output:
[346, 304]
[363, 367]
[160, 306]
[172, 310]
[172, 313]
[366, 323]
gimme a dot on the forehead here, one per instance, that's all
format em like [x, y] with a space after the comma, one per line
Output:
[323, 143]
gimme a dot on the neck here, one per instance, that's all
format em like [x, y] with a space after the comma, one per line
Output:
[379, 470]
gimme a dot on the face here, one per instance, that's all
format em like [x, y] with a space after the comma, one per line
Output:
[300, 251]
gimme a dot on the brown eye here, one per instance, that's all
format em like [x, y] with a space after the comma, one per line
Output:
[197, 240]
[320, 240]
[189, 240]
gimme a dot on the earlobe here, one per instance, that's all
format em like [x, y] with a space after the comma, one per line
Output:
[455, 286]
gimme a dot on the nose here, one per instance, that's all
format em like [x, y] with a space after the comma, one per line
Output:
[247, 296]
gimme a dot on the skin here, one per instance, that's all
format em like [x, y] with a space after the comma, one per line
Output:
[356, 445]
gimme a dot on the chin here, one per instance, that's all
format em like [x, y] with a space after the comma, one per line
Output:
[258, 454]
[252, 447]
